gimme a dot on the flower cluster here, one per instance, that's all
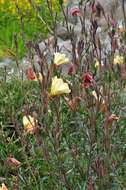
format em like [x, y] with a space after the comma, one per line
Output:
[11, 8]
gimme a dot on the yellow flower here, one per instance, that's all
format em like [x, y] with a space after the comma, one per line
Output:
[59, 87]
[24, 5]
[60, 59]
[65, 2]
[40, 76]
[53, 4]
[97, 64]
[118, 60]
[3, 187]
[29, 124]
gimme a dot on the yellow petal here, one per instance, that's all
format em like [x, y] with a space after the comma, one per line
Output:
[118, 60]
[97, 64]
[59, 87]
[29, 123]
[65, 2]
[40, 77]
[60, 59]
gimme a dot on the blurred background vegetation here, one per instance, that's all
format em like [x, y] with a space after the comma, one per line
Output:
[25, 18]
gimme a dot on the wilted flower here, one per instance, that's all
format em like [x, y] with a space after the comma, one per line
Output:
[3, 187]
[32, 76]
[60, 59]
[90, 185]
[87, 80]
[71, 70]
[29, 124]
[118, 60]
[74, 102]
[75, 11]
[59, 87]
[104, 105]
[97, 95]
[112, 118]
[13, 162]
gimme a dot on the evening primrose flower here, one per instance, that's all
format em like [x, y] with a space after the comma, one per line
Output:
[3, 187]
[59, 87]
[29, 124]
[97, 64]
[118, 60]
[65, 2]
[60, 59]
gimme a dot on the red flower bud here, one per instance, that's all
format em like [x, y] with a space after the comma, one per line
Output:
[75, 12]
[73, 103]
[94, 9]
[12, 162]
[90, 185]
[31, 74]
[71, 70]
[87, 80]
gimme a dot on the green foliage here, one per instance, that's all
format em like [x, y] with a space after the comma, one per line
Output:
[77, 140]
[38, 172]
[32, 24]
